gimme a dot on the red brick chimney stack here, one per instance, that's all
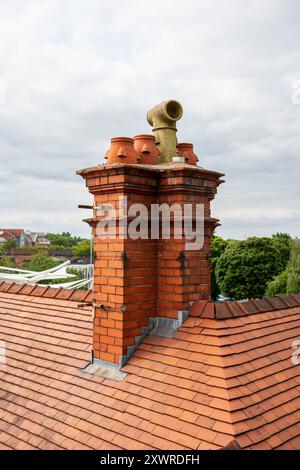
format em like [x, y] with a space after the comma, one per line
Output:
[141, 284]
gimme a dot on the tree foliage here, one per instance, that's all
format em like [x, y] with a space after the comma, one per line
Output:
[218, 246]
[10, 244]
[245, 267]
[277, 285]
[288, 281]
[64, 239]
[6, 261]
[293, 280]
[282, 243]
[41, 262]
[82, 249]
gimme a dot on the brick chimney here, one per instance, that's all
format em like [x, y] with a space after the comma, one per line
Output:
[144, 284]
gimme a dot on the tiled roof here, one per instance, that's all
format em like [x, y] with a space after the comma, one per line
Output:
[214, 382]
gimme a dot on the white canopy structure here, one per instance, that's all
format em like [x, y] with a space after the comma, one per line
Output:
[35, 277]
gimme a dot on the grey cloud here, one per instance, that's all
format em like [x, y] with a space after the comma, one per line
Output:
[78, 74]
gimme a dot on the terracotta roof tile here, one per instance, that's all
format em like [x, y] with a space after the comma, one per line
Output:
[79, 295]
[277, 303]
[26, 289]
[14, 289]
[296, 297]
[222, 311]
[263, 305]
[235, 309]
[197, 308]
[289, 300]
[5, 286]
[39, 291]
[209, 311]
[65, 294]
[89, 298]
[53, 292]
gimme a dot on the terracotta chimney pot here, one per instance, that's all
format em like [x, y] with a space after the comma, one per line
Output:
[146, 149]
[187, 151]
[122, 151]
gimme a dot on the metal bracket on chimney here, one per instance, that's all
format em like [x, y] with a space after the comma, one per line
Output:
[85, 304]
[84, 206]
[101, 306]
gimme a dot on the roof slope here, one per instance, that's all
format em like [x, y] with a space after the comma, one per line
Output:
[253, 376]
[214, 382]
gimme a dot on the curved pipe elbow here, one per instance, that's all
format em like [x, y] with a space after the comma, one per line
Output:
[165, 115]
[163, 118]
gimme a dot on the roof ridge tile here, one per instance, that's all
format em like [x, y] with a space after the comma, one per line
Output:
[249, 306]
[238, 308]
[46, 291]
[296, 297]
[6, 286]
[15, 288]
[39, 291]
[223, 311]
[277, 303]
[289, 300]
[197, 308]
[263, 304]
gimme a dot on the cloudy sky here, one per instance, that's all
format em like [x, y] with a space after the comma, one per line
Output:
[74, 73]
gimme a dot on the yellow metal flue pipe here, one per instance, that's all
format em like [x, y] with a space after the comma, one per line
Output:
[163, 118]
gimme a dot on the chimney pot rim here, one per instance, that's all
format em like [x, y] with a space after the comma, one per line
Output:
[144, 137]
[122, 139]
[185, 144]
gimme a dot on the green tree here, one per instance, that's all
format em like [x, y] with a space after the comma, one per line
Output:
[277, 285]
[288, 281]
[6, 261]
[41, 262]
[293, 283]
[82, 249]
[9, 245]
[245, 268]
[282, 243]
[293, 278]
[64, 239]
[218, 246]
